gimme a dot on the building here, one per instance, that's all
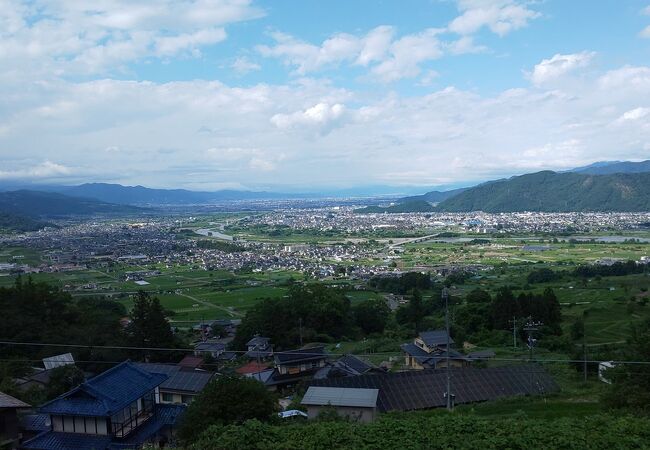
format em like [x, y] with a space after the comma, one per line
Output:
[9, 424]
[183, 384]
[291, 367]
[425, 389]
[353, 403]
[429, 351]
[347, 366]
[116, 409]
[259, 347]
[211, 347]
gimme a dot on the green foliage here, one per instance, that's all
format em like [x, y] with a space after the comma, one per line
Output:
[631, 382]
[371, 315]
[617, 269]
[18, 222]
[323, 312]
[63, 379]
[478, 295]
[226, 400]
[543, 275]
[434, 431]
[402, 284]
[149, 327]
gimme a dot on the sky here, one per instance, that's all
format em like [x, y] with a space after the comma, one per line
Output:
[306, 95]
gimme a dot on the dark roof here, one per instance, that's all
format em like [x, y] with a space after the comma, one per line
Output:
[209, 346]
[429, 360]
[258, 340]
[34, 422]
[7, 401]
[423, 389]
[482, 354]
[297, 356]
[49, 440]
[435, 338]
[106, 393]
[180, 378]
[254, 354]
[356, 364]
[191, 361]
[166, 415]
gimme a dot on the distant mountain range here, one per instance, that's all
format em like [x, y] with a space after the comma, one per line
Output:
[610, 167]
[602, 186]
[38, 204]
[556, 192]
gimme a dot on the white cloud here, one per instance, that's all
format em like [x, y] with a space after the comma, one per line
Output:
[243, 65]
[634, 115]
[559, 65]
[406, 55]
[645, 33]
[500, 16]
[73, 37]
[44, 170]
[323, 117]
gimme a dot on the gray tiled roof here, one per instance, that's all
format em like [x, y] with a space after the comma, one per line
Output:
[180, 378]
[7, 401]
[423, 389]
[337, 396]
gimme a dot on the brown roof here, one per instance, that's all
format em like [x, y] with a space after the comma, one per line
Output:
[7, 401]
[252, 367]
[191, 361]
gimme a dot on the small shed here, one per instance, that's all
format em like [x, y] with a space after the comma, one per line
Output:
[354, 403]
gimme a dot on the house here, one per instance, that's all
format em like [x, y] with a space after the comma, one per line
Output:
[9, 424]
[429, 351]
[116, 409]
[426, 389]
[300, 362]
[259, 347]
[211, 347]
[358, 404]
[347, 366]
[53, 362]
[183, 384]
[291, 367]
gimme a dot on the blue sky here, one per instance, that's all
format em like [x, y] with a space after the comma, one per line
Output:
[208, 94]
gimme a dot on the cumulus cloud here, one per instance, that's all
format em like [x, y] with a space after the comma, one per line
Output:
[634, 115]
[559, 65]
[243, 65]
[44, 170]
[93, 37]
[500, 16]
[322, 117]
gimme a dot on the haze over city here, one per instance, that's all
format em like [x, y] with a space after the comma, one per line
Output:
[291, 96]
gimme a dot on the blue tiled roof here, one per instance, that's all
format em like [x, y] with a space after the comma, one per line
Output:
[180, 378]
[435, 338]
[50, 440]
[166, 415]
[34, 422]
[107, 393]
[430, 359]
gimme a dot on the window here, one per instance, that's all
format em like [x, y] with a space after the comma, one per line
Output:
[79, 426]
[57, 423]
[186, 399]
[167, 397]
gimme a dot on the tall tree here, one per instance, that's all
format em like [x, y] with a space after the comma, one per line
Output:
[149, 327]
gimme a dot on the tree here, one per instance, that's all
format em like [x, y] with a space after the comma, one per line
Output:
[149, 327]
[226, 400]
[478, 295]
[63, 379]
[371, 315]
[503, 309]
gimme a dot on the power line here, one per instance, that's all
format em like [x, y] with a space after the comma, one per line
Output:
[290, 352]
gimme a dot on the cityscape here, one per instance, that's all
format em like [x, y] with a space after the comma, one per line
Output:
[245, 224]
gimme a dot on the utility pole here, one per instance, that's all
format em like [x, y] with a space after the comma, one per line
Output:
[531, 327]
[514, 331]
[584, 344]
[448, 394]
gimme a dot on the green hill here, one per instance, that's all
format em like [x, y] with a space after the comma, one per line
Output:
[36, 204]
[15, 222]
[556, 192]
[406, 207]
